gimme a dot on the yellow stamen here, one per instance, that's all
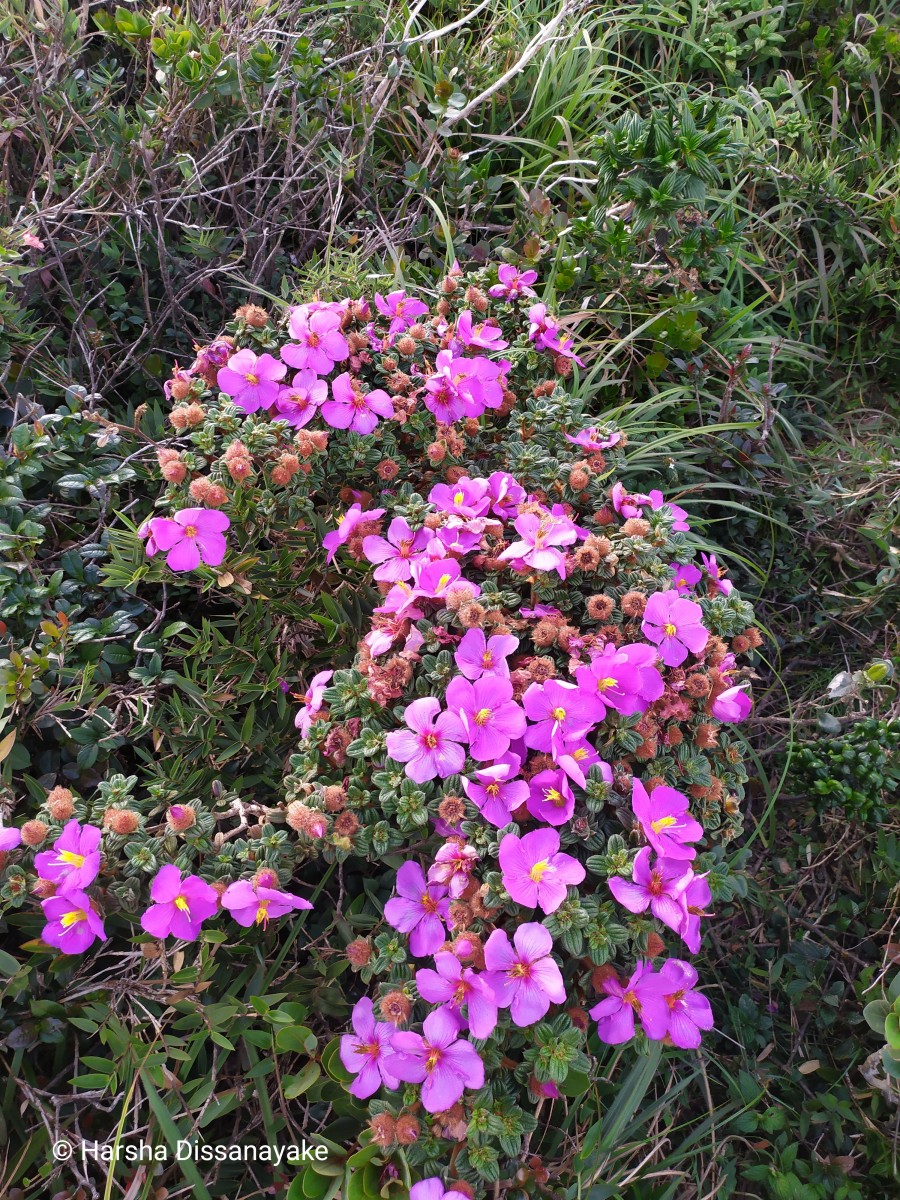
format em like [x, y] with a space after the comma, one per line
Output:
[482, 716]
[190, 531]
[430, 740]
[182, 904]
[67, 920]
[631, 999]
[537, 872]
[443, 581]
[459, 497]
[519, 971]
[556, 798]
[603, 684]
[663, 823]
[493, 789]
[432, 1060]
[253, 380]
[669, 630]
[487, 659]
[262, 913]
[558, 714]
[71, 859]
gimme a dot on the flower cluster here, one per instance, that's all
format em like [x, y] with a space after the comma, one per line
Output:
[179, 903]
[532, 727]
[257, 410]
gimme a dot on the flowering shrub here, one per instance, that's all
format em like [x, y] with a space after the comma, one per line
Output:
[535, 736]
[537, 699]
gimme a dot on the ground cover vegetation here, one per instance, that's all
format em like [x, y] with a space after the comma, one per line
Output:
[704, 204]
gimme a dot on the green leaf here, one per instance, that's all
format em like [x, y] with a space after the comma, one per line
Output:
[875, 1012]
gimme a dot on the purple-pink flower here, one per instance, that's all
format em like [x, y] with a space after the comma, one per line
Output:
[346, 525]
[467, 498]
[439, 1059]
[540, 535]
[312, 701]
[419, 909]
[10, 838]
[694, 902]
[496, 792]
[252, 382]
[685, 577]
[622, 677]
[365, 1051]
[523, 975]
[665, 820]
[352, 408]
[72, 922]
[550, 797]
[318, 342]
[452, 866]
[395, 552]
[403, 311]
[454, 985]
[180, 906]
[675, 625]
[488, 714]
[732, 705]
[506, 494]
[513, 283]
[658, 886]
[297, 403]
[535, 872]
[74, 859]
[594, 440]
[484, 335]
[477, 655]
[641, 997]
[433, 1189]
[689, 1011]
[430, 744]
[559, 711]
[258, 903]
[716, 575]
[193, 536]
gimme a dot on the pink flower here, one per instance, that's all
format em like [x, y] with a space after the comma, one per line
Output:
[495, 792]
[623, 678]
[394, 553]
[74, 860]
[428, 745]
[318, 342]
[577, 755]
[626, 506]
[297, 403]
[453, 864]
[193, 536]
[732, 705]
[656, 501]
[664, 818]
[72, 923]
[403, 311]
[454, 985]
[717, 575]
[251, 382]
[642, 997]
[505, 493]
[658, 887]
[31, 240]
[180, 906]
[439, 1059]
[694, 900]
[433, 1189]
[346, 525]
[550, 798]
[513, 283]
[524, 977]
[675, 625]
[560, 710]
[419, 909]
[539, 535]
[488, 714]
[365, 1052]
[477, 655]
[354, 409]
[594, 440]
[484, 335]
[312, 701]
[689, 1010]
[546, 334]
[254, 904]
[10, 838]
[467, 498]
[685, 577]
[535, 873]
